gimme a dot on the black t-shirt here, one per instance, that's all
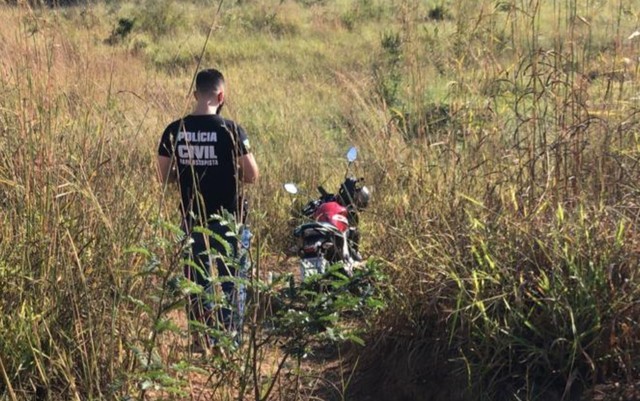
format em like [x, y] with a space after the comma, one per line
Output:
[206, 148]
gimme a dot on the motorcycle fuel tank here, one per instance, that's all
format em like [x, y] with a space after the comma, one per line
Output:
[333, 213]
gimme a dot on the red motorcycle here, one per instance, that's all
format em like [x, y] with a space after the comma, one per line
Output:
[331, 236]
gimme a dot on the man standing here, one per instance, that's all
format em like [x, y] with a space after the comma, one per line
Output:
[209, 157]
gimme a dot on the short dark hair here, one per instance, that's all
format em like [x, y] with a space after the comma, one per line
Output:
[209, 80]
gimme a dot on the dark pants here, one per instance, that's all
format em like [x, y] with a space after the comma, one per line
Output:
[207, 251]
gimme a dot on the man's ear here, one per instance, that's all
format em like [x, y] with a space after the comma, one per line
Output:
[221, 97]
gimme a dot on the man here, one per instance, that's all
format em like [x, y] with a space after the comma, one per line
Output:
[209, 157]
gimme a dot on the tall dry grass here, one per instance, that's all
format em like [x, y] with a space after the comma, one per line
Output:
[76, 192]
[509, 210]
[499, 140]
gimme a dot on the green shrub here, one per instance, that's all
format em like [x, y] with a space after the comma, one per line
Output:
[121, 31]
[158, 18]
[387, 68]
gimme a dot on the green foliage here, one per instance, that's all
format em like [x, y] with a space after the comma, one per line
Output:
[305, 315]
[387, 68]
[311, 312]
[160, 18]
[438, 13]
[271, 22]
[363, 11]
[121, 31]
[312, 3]
[157, 18]
[547, 301]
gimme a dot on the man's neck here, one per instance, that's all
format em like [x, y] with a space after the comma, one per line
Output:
[204, 110]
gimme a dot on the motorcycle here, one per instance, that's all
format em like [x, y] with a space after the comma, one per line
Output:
[332, 235]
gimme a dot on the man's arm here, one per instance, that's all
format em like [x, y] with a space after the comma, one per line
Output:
[166, 173]
[248, 168]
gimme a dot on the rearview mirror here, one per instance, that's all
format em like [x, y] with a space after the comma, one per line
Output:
[291, 188]
[352, 154]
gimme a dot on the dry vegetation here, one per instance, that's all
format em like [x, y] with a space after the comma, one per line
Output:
[501, 140]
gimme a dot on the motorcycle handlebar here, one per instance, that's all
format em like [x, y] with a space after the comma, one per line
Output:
[323, 191]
